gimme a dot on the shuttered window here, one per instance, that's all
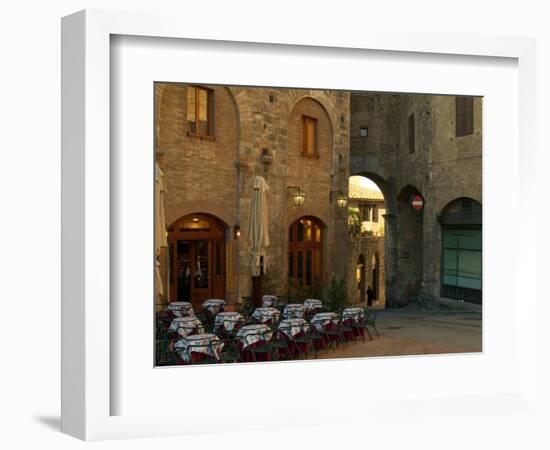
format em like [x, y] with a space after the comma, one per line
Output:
[309, 136]
[200, 112]
[464, 116]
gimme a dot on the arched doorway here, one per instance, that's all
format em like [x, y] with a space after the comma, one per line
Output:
[305, 252]
[360, 278]
[196, 245]
[461, 250]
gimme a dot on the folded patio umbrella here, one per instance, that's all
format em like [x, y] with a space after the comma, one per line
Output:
[258, 235]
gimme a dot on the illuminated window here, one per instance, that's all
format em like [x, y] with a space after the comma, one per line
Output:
[305, 252]
[309, 136]
[200, 107]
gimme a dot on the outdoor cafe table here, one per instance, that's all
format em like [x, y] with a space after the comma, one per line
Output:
[227, 321]
[266, 315]
[214, 305]
[269, 300]
[185, 326]
[311, 304]
[180, 309]
[354, 317]
[294, 311]
[251, 336]
[196, 348]
[323, 322]
[290, 329]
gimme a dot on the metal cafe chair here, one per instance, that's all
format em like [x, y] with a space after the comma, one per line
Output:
[370, 321]
[335, 334]
[230, 351]
[206, 359]
[163, 355]
[260, 348]
[306, 340]
[280, 350]
[316, 339]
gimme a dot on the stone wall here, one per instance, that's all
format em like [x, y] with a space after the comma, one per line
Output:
[258, 132]
[442, 167]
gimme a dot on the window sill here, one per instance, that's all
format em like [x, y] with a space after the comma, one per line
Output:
[316, 156]
[202, 137]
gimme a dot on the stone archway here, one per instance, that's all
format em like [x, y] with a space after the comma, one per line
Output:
[364, 165]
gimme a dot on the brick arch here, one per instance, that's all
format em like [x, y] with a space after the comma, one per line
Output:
[406, 191]
[237, 112]
[323, 100]
[305, 213]
[221, 212]
[459, 192]
[385, 187]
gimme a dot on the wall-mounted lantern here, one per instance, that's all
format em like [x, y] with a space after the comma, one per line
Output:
[236, 231]
[298, 197]
[341, 199]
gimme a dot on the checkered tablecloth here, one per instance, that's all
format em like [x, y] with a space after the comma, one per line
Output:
[228, 320]
[266, 314]
[356, 314]
[214, 305]
[250, 334]
[321, 320]
[292, 327]
[294, 311]
[208, 344]
[184, 326]
[269, 300]
[311, 304]
[181, 309]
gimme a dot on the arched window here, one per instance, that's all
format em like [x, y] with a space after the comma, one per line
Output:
[305, 242]
[461, 250]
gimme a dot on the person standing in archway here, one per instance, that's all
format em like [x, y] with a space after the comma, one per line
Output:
[370, 296]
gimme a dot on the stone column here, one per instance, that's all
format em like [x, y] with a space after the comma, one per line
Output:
[390, 258]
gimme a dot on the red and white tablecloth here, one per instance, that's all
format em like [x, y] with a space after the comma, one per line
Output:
[321, 320]
[269, 300]
[294, 311]
[357, 315]
[266, 315]
[312, 304]
[185, 326]
[214, 305]
[250, 337]
[180, 309]
[293, 327]
[227, 320]
[194, 348]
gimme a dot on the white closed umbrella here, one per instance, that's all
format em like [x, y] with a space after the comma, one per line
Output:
[258, 235]
[160, 225]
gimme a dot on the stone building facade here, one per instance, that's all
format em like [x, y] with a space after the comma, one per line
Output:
[211, 141]
[427, 147]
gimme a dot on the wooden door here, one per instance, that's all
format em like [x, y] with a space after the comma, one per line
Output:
[197, 257]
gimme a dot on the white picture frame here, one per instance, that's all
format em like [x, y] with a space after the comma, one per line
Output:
[87, 383]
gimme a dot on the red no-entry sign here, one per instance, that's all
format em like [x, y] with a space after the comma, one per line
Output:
[417, 202]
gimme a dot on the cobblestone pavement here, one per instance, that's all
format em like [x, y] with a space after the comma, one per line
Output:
[413, 332]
